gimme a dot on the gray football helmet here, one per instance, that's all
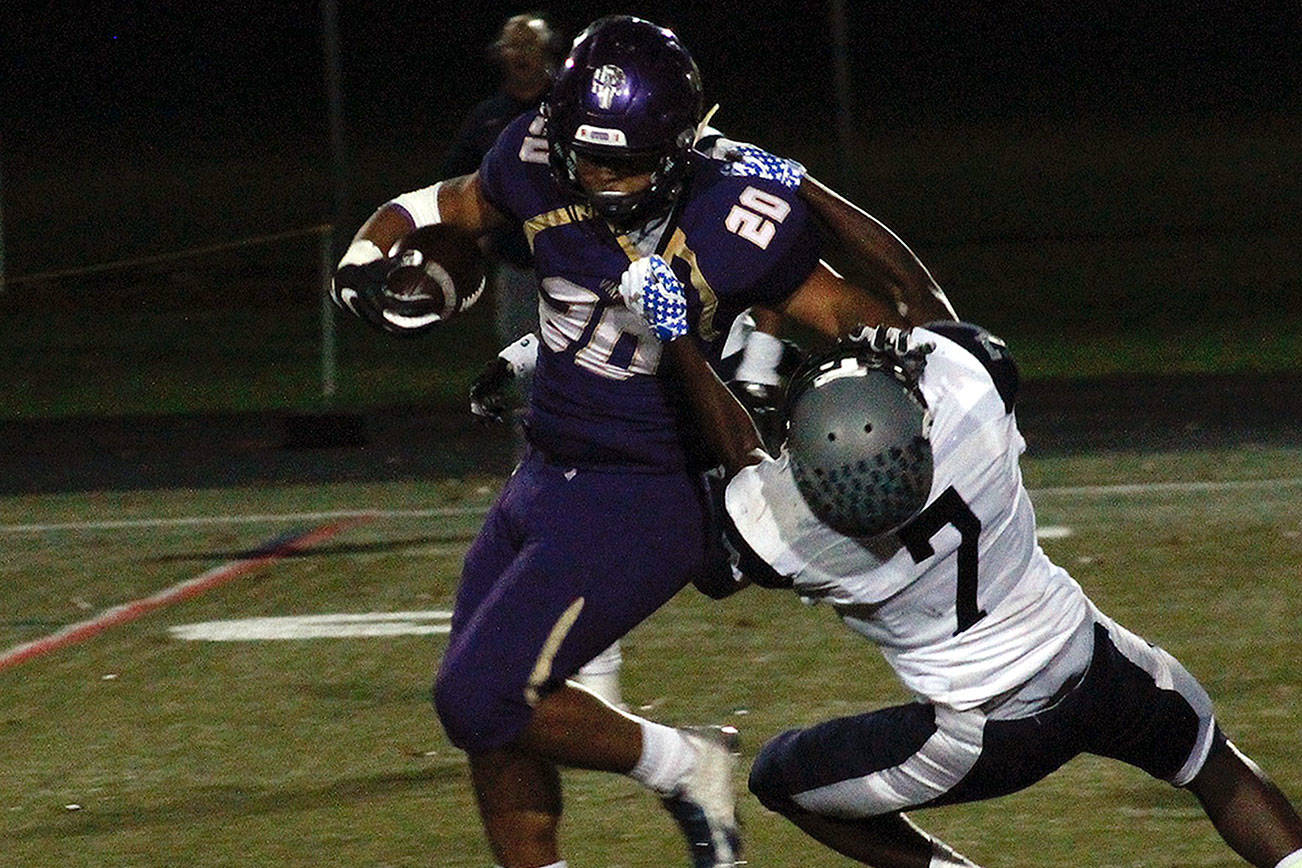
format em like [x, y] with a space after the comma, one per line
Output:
[858, 433]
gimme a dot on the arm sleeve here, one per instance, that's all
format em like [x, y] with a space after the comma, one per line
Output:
[502, 165]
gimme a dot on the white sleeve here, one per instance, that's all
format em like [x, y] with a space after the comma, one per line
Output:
[522, 355]
[762, 502]
[421, 205]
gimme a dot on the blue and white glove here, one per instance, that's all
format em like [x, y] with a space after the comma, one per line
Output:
[749, 161]
[652, 291]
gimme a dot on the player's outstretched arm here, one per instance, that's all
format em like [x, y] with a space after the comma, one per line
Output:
[879, 251]
[728, 430]
[918, 296]
[833, 307]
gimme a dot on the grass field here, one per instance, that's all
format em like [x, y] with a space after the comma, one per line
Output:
[325, 751]
[86, 363]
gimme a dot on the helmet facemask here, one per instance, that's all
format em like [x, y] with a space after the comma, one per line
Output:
[668, 173]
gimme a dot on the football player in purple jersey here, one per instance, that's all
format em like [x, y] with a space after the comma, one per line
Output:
[606, 517]
[527, 50]
[897, 499]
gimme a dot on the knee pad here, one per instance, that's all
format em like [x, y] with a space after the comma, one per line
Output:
[475, 714]
[768, 780]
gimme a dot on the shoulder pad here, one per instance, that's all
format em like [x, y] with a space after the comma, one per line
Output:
[989, 350]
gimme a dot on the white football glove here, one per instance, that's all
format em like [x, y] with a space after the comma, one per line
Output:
[881, 339]
[360, 273]
[897, 345]
[650, 289]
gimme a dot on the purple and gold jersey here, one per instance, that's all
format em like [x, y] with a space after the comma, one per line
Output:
[596, 399]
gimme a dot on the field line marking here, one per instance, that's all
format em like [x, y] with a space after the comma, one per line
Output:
[1159, 487]
[271, 551]
[197, 520]
[474, 511]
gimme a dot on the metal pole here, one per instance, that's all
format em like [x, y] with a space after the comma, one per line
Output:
[846, 152]
[339, 183]
[2, 221]
[328, 347]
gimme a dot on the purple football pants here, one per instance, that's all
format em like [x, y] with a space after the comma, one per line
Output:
[567, 562]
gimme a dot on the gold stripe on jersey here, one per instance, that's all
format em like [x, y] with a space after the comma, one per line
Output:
[626, 244]
[677, 249]
[557, 217]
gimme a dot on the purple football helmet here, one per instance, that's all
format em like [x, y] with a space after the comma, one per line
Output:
[629, 94]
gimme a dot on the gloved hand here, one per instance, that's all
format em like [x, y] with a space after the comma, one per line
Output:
[894, 344]
[881, 339]
[488, 393]
[358, 285]
[650, 289]
[749, 161]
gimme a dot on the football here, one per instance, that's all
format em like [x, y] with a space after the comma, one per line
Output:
[439, 270]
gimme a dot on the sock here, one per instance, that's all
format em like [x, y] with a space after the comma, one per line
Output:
[601, 675]
[759, 360]
[1292, 860]
[667, 757]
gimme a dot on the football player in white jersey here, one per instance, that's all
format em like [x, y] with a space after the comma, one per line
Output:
[898, 500]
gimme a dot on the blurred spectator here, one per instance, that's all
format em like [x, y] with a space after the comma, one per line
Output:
[527, 50]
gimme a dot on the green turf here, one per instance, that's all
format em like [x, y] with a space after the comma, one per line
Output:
[254, 360]
[325, 752]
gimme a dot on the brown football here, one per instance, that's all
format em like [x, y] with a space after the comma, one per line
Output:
[440, 270]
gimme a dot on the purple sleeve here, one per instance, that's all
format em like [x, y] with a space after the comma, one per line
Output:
[516, 153]
[755, 241]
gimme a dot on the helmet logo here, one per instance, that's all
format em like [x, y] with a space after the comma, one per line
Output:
[606, 84]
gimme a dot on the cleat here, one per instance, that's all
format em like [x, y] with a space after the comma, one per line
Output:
[704, 805]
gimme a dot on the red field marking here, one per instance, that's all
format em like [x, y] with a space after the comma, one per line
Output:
[267, 553]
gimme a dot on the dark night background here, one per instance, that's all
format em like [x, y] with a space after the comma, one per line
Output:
[88, 88]
[213, 71]
[1079, 176]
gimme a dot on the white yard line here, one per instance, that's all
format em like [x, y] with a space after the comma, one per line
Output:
[336, 626]
[474, 511]
[1160, 487]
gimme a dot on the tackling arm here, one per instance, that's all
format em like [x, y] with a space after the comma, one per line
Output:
[724, 423]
